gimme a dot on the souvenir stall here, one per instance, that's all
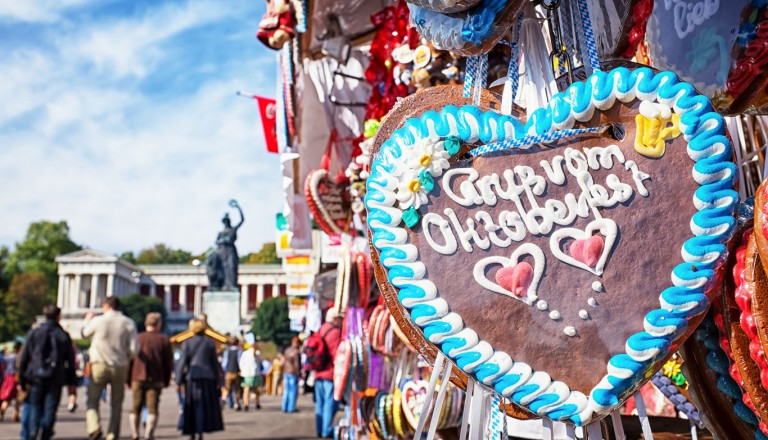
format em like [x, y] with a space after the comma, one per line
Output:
[549, 214]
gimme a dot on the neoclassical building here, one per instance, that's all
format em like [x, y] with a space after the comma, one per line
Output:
[88, 276]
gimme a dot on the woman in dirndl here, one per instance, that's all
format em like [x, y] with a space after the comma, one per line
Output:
[199, 374]
[9, 381]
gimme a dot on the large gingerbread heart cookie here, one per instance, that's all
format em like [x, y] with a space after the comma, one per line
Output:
[561, 276]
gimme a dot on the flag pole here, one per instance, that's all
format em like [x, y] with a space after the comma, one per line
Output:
[243, 95]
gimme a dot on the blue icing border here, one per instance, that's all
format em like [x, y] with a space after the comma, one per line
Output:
[715, 200]
[718, 362]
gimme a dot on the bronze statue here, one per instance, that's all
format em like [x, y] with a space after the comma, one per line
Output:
[222, 263]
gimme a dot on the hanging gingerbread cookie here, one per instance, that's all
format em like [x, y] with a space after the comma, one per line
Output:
[531, 267]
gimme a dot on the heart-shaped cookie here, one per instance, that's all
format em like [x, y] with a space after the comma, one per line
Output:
[328, 202]
[580, 343]
[720, 47]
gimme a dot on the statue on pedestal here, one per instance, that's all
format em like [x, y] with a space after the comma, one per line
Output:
[222, 263]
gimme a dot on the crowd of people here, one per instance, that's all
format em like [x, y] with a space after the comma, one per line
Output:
[35, 375]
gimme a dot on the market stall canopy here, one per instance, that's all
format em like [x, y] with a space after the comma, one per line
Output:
[352, 16]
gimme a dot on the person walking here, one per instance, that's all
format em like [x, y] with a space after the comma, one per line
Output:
[199, 375]
[8, 392]
[325, 406]
[47, 364]
[291, 370]
[251, 370]
[230, 362]
[113, 345]
[149, 373]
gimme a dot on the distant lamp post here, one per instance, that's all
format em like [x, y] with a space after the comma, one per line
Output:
[198, 291]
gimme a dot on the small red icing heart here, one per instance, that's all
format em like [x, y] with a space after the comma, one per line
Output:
[588, 250]
[517, 279]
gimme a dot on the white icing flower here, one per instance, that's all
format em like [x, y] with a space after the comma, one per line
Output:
[410, 191]
[429, 154]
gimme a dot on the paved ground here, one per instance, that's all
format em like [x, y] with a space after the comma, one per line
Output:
[268, 423]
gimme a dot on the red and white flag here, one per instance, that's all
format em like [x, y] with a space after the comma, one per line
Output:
[268, 110]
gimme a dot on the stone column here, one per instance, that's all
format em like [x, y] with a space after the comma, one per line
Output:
[110, 285]
[183, 298]
[275, 290]
[259, 295]
[243, 301]
[78, 291]
[60, 295]
[94, 290]
[167, 297]
[198, 299]
[153, 289]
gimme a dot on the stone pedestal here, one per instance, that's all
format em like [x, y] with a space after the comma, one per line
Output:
[223, 311]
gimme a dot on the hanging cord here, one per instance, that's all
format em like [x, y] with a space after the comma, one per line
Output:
[476, 77]
[467, 414]
[618, 428]
[589, 36]
[644, 422]
[438, 408]
[439, 360]
[524, 142]
[559, 52]
[513, 74]
[594, 431]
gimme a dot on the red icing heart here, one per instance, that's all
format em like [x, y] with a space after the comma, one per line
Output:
[588, 250]
[517, 279]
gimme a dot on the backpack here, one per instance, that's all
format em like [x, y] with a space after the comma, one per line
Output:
[318, 356]
[45, 356]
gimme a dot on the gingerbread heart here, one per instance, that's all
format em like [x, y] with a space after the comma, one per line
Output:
[442, 245]
[328, 202]
[720, 47]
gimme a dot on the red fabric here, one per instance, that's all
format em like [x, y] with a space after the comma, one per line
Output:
[332, 340]
[8, 388]
[268, 110]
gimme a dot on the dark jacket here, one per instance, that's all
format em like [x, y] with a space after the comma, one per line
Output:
[154, 361]
[37, 352]
[199, 353]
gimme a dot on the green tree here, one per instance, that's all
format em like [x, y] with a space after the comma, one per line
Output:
[5, 253]
[267, 255]
[22, 303]
[137, 306]
[160, 254]
[271, 322]
[37, 252]
[128, 256]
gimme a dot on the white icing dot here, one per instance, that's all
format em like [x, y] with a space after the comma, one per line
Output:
[570, 331]
[592, 302]
[542, 305]
[597, 286]
[554, 315]
[583, 314]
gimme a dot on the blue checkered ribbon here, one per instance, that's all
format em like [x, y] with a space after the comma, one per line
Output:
[513, 76]
[494, 428]
[470, 73]
[589, 36]
[525, 142]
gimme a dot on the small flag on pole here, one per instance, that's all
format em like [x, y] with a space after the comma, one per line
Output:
[268, 110]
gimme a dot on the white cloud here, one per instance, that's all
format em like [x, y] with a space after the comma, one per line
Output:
[127, 169]
[45, 11]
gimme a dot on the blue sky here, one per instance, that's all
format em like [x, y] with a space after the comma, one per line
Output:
[121, 118]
